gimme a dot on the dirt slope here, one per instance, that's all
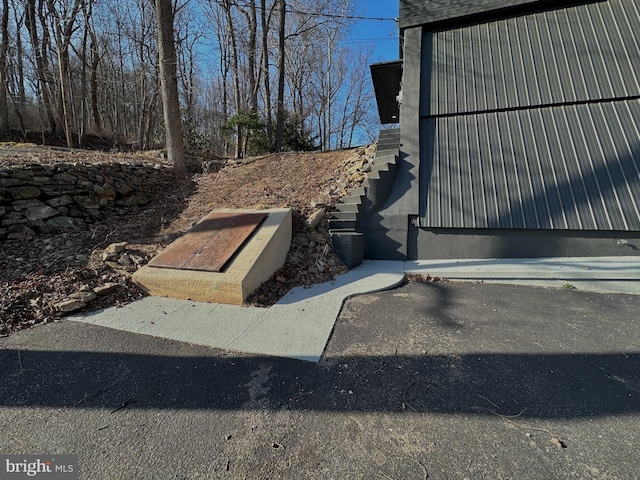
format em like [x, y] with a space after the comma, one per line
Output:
[37, 275]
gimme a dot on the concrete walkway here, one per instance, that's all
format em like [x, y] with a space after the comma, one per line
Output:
[592, 274]
[300, 324]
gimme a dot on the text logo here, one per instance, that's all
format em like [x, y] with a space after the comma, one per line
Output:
[49, 467]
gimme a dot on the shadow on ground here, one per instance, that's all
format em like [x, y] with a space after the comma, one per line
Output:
[534, 386]
[426, 347]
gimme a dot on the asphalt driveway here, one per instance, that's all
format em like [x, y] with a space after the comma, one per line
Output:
[430, 380]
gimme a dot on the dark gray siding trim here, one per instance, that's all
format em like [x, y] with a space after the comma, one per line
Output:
[579, 54]
[417, 12]
[466, 243]
[448, 13]
[573, 167]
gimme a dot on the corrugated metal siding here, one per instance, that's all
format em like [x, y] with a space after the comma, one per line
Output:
[577, 54]
[534, 122]
[571, 167]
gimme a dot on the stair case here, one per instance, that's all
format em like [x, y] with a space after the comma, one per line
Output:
[347, 241]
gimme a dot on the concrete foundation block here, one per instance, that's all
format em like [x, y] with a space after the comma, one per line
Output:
[349, 246]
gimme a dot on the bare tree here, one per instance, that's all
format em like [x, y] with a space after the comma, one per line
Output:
[15, 74]
[252, 22]
[169, 84]
[87, 10]
[19, 16]
[64, 26]
[4, 87]
[144, 55]
[225, 67]
[359, 110]
[264, 22]
[235, 62]
[279, 73]
[281, 76]
[93, 79]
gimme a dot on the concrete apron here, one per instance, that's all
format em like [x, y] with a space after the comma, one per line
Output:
[594, 274]
[300, 324]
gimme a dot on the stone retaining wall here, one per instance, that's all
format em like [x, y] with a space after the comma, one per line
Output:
[40, 199]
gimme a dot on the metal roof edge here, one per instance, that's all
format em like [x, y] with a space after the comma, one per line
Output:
[493, 13]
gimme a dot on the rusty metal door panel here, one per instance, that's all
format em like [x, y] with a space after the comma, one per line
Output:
[211, 243]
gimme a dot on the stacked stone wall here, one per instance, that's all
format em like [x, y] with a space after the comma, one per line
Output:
[39, 199]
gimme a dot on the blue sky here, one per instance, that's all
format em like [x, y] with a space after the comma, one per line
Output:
[382, 35]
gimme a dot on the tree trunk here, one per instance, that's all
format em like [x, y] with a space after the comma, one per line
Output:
[281, 53]
[48, 77]
[236, 75]
[64, 21]
[253, 82]
[22, 97]
[141, 103]
[151, 121]
[169, 85]
[87, 9]
[93, 83]
[223, 84]
[265, 67]
[41, 63]
[65, 95]
[328, 114]
[4, 86]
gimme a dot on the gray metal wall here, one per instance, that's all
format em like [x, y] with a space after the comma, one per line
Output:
[533, 122]
[564, 168]
[578, 54]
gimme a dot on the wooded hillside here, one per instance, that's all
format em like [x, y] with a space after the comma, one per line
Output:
[254, 75]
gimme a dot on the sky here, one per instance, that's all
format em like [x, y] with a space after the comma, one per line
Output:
[382, 35]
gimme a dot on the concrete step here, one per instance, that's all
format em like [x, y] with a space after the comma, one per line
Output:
[387, 150]
[348, 207]
[342, 224]
[381, 167]
[359, 191]
[373, 175]
[380, 182]
[387, 138]
[343, 216]
[389, 133]
[391, 157]
[353, 198]
[387, 143]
